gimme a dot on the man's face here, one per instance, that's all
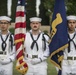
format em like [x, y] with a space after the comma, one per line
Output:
[4, 25]
[71, 25]
[35, 25]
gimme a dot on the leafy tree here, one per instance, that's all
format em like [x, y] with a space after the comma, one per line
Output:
[71, 6]
[3, 7]
[45, 19]
[49, 6]
[14, 5]
[30, 10]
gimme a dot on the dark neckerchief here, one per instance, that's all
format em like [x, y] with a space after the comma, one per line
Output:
[71, 40]
[34, 41]
[4, 42]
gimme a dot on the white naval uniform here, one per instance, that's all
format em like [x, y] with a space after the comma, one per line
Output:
[69, 65]
[7, 69]
[41, 67]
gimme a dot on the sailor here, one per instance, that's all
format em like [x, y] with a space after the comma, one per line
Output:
[36, 48]
[69, 61]
[7, 48]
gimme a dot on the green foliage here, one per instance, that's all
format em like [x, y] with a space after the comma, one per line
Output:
[30, 11]
[45, 18]
[49, 6]
[71, 6]
[3, 7]
[14, 4]
[12, 30]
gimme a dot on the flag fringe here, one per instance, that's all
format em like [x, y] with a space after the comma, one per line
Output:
[19, 40]
[60, 58]
[59, 49]
[23, 71]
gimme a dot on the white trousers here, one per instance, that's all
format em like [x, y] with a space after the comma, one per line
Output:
[6, 69]
[69, 67]
[38, 69]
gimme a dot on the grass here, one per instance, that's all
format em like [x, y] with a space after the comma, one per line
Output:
[51, 69]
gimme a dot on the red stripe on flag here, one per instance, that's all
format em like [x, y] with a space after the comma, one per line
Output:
[19, 54]
[21, 61]
[25, 65]
[20, 25]
[19, 36]
[20, 13]
[18, 45]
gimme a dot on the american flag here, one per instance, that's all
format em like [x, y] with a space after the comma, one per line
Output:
[20, 34]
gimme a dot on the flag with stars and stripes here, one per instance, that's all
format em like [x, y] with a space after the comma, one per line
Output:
[20, 34]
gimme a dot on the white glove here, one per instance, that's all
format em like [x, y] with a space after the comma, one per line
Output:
[5, 61]
[35, 61]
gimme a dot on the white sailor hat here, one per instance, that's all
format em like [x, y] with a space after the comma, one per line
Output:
[71, 17]
[35, 19]
[5, 18]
